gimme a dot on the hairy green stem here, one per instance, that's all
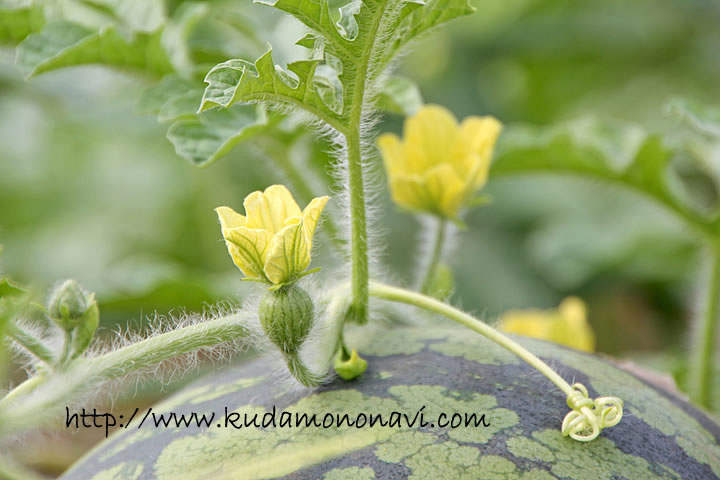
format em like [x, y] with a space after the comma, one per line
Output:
[31, 344]
[359, 253]
[431, 272]
[301, 373]
[85, 373]
[23, 389]
[67, 345]
[704, 346]
[153, 350]
[401, 295]
[356, 182]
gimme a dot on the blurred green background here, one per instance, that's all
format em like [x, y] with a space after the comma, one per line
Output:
[91, 189]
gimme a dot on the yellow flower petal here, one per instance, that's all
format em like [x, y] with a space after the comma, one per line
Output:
[430, 137]
[290, 248]
[439, 164]
[567, 325]
[393, 155]
[269, 210]
[286, 254]
[478, 134]
[476, 143]
[274, 242]
[248, 248]
[310, 219]
[446, 189]
[530, 323]
[411, 192]
[229, 218]
[572, 327]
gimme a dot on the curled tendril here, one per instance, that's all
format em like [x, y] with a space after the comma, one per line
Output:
[588, 417]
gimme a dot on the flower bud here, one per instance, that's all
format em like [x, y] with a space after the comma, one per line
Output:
[75, 311]
[68, 303]
[286, 316]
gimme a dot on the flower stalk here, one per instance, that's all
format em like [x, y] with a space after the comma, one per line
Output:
[436, 256]
[359, 244]
[31, 344]
[702, 362]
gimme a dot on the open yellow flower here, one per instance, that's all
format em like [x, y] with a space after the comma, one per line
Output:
[273, 242]
[440, 163]
[567, 325]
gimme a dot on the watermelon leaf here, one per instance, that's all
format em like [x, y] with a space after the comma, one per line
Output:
[621, 155]
[201, 139]
[347, 58]
[18, 19]
[705, 120]
[401, 96]
[62, 44]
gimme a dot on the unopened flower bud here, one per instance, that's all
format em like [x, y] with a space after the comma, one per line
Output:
[286, 316]
[68, 303]
[75, 311]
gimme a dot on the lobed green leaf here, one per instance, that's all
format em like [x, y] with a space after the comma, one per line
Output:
[203, 138]
[703, 119]
[63, 44]
[621, 155]
[401, 96]
[18, 20]
[347, 57]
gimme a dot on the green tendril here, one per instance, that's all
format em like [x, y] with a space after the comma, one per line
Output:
[589, 417]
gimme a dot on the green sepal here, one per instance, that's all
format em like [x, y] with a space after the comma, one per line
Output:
[85, 330]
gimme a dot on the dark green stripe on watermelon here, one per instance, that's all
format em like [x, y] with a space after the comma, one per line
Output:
[447, 370]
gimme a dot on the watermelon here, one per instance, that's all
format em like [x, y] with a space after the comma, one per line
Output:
[435, 371]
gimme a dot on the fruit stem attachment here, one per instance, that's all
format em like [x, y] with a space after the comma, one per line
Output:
[301, 373]
[702, 363]
[582, 423]
[439, 242]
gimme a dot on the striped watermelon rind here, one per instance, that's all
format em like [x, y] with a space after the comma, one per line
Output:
[446, 370]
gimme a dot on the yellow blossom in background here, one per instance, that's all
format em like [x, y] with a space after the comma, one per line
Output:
[567, 325]
[272, 243]
[439, 164]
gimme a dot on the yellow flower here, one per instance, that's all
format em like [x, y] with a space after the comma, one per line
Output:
[273, 242]
[567, 325]
[439, 164]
